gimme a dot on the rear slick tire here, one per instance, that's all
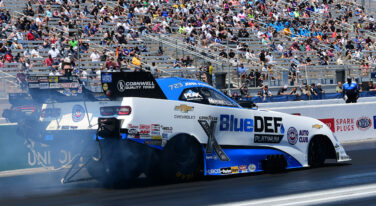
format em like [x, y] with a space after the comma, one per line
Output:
[181, 160]
[119, 166]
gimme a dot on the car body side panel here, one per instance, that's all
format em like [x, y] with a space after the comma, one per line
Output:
[155, 121]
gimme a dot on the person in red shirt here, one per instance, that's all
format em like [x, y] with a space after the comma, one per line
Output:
[30, 35]
[8, 57]
[49, 61]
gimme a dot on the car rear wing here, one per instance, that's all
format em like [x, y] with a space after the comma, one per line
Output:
[131, 84]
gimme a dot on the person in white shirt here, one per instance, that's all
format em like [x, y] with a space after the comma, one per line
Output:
[53, 52]
[95, 56]
[35, 54]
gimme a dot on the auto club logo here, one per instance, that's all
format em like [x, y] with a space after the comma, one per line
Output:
[78, 113]
[121, 86]
[292, 135]
[363, 123]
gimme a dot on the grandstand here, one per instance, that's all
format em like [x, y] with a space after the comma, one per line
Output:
[279, 42]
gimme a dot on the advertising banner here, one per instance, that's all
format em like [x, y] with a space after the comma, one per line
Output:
[349, 122]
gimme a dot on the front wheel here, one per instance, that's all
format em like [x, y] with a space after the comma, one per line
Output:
[317, 152]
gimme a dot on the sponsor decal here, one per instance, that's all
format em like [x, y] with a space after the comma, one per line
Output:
[209, 129]
[243, 168]
[65, 85]
[79, 89]
[345, 125]
[106, 78]
[67, 127]
[63, 78]
[74, 92]
[226, 170]
[235, 170]
[144, 130]
[330, 123]
[317, 126]
[177, 116]
[184, 108]
[156, 137]
[33, 86]
[292, 135]
[252, 167]
[105, 87]
[78, 113]
[157, 142]
[44, 85]
[303, 136]
[136, 85]
[32, 78]
[132, 132]
[164, 136]
[175, 86]
[232, 124]
[267, 138]
[363, 123]
[75, 85]
[64, 127]
[131, 126]
[374, 122]
[42, 79]
[54, 85]
[208, 118]
[269, 124]
[191, 95]
[155, 127]
[121, 85]
[218, 101]
[211, 156]
[53, 79]
[166, 129]
[213, 171]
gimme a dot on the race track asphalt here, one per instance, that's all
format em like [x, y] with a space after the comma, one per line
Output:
[46, 189]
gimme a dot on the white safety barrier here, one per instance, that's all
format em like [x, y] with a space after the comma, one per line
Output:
[349, 122]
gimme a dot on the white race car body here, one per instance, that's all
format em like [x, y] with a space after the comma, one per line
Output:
[234, 139]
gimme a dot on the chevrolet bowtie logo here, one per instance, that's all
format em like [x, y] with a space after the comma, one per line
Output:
[317, 126]
[184, 108]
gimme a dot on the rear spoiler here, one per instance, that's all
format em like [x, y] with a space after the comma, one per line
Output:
[130, 84]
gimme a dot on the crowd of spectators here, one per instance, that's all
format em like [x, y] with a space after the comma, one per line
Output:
[334, 32]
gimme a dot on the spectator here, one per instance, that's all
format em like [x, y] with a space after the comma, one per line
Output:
[350, 91]
[339, 87]
[49, 61]
[319, 91]
[244, 90]
[294, 91]
[223, 54]
[265, 92]
[241, 70]
[53, 52]
[370, 87]
[95, 56]
[283, 90]
[313, 90]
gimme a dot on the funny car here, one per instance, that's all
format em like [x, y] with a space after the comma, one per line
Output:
[171, 129]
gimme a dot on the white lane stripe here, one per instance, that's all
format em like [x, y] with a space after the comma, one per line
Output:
[28, 171]
[329, 195]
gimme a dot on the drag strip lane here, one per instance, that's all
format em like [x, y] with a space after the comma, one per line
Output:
[211, 191]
